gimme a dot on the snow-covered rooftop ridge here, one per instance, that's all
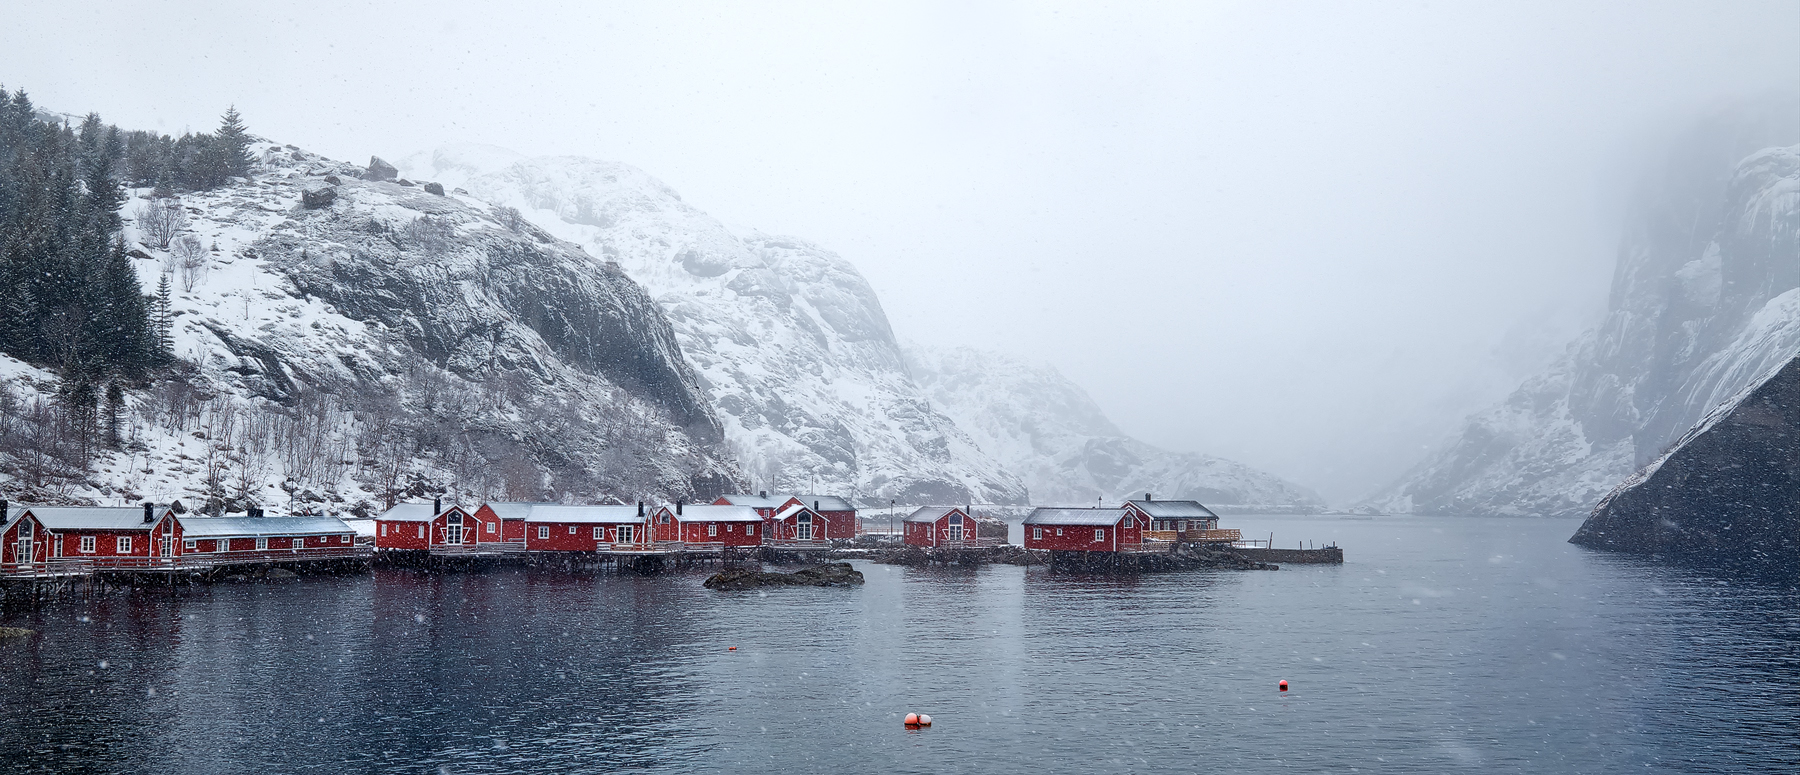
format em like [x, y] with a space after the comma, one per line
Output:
[707, 512]
[1058, 515]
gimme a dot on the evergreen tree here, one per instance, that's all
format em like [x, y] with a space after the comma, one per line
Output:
[163, 320]
[233, 144]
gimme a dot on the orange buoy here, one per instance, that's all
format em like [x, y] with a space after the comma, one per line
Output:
[1284, 686]
[924, 720]
[912, 719]
[731, 648]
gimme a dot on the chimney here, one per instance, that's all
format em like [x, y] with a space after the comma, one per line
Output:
[1147, 497]
[763, 494]
[815, 505]
[437, 506]
[640, 508]
[677, 508]
[149, 512]
[3, 512]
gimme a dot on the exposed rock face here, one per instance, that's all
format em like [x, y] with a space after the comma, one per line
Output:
[788, 339]
[1703, 305]
[394, 344]
[834, 574]
[380, 170]
[318, 197]
[1727, 491]
[434, 188]
[1051, 433]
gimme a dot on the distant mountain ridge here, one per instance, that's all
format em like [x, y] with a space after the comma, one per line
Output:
[1051, 433]
[788, 339]
[1703, 307]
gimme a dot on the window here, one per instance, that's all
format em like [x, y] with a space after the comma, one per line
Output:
[223, 545]
[731, 528]
[421, 531]
[1059, 531]
[543, 532]
[625, 533]
[749, 530]
[87, 544]
[262, 544]
[1099, 534]
[490, 527]
[571, 530]
[188, 544]
[124, 545]
[384, 529]
[712, 528]
[1037, 534]
[297, 543]
[599, 534]
[344, 539]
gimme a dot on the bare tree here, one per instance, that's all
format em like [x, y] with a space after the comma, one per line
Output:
[160, 220]
[191, 257]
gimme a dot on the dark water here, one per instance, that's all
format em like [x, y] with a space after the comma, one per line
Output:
[1444, 645]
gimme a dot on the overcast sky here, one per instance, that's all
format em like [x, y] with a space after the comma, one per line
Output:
[1307, 236]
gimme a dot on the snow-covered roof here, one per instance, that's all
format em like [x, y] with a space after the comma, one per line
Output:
[757, 501]
[792, 510]
[826, 502]
[710, 513]
[514, 509]
[931, 513]
[606, 514]
[223, 527]
[414, 512]
[1174, 509]
[1063, 516]
[365, 528]
[92, 517]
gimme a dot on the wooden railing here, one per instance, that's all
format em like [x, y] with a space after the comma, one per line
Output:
[1147, 547]
[972, 543]
[66, 566]
[1162, 535]
[490, 547]
[1227, 536]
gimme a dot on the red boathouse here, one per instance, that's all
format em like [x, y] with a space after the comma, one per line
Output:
[510, 516]
[122, 536]
[728, 526]
[1181, 517]
[839, 515]
[422, 526]
[585, 528]
[940, 526]
[1083, 530]
[796, 524]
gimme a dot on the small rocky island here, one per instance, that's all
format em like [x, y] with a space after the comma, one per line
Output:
[833, 574]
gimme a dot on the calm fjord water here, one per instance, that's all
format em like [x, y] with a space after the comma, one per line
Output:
[1482, 645]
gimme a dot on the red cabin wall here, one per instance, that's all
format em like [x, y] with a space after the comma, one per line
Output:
[400, 535]
[560, 540]
[730, 533]
[1079, 538]
[664, 526]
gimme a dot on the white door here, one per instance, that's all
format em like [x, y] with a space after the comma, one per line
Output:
[625, 533]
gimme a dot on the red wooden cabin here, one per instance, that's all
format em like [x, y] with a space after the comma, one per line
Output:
[1181, 516]
[796, 523]
[122, 536]
[266, 539]
[510, 516]
[1083, 530]
[421, 526]
[585, 528]
[839, 514]
[939, 525]
[730, 526]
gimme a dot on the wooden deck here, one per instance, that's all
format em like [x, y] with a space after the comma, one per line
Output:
[83, 566]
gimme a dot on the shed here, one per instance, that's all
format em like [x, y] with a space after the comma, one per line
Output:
[938, 526]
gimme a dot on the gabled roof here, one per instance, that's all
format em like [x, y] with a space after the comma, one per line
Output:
[611, 515]
[414, 512]
[1174, 509]
[757, 501]
[232, 527]
[826, 503]
[1064, 516]
[932, 513]
[793, 510]
[92, 517]
[703, 512]
[514, 509]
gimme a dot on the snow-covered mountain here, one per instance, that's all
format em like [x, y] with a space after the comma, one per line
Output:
[346, 341]
[1705, 303]
[1050, 432]
[787, 338]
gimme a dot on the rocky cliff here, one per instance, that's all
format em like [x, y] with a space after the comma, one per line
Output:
[787, 338]
[1700, 309]
[1726, 491]
[344, 341]
[1050, 432]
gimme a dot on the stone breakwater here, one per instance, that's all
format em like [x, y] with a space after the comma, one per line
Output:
[833, 574]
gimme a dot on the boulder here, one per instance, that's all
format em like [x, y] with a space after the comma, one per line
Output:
[835, 574]
[380, 170]
[333, 179]
[405, 182]
[434, 188]
[316, 198]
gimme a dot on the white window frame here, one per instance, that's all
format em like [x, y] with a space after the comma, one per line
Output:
[490, 527]
[1037, 534]
[344, 539]
[421, 530]
[712, 529]
[599, 534]
[1059, 531]
[543, 532]
[1099, 534]
[297, 543]
[188, 544]
[620, 534]
[87, 544]
[122, 545]
[749, 530]
[222, 545]
[262, 544]
[384, 528]
[571, 530]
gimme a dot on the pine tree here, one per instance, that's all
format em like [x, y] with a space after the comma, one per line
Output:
[233, 144]
[163, 320]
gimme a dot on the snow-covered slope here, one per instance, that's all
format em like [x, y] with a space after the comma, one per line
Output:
[391, 343]
[787, 338]
[1052, 434]
[1702, 307]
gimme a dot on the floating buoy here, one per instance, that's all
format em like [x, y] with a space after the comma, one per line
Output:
[924, 720]
[731, 648]
[912, 720]
[1284, 686]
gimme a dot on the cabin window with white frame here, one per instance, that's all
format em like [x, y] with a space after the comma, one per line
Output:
[384, 529]
[543, 532]
[344, 539]
[87, 544]
[1059, 531]
[188, 544]
[298, 543]
[124, 545]
[731, 528]
[571, 530]
[222, 545]
[490, 526]
[750, 530]
[625, 533]
[599, 534]
[1037, 534]
[262, 544]
[1099, 534]
[421, 530]
[712, 528]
